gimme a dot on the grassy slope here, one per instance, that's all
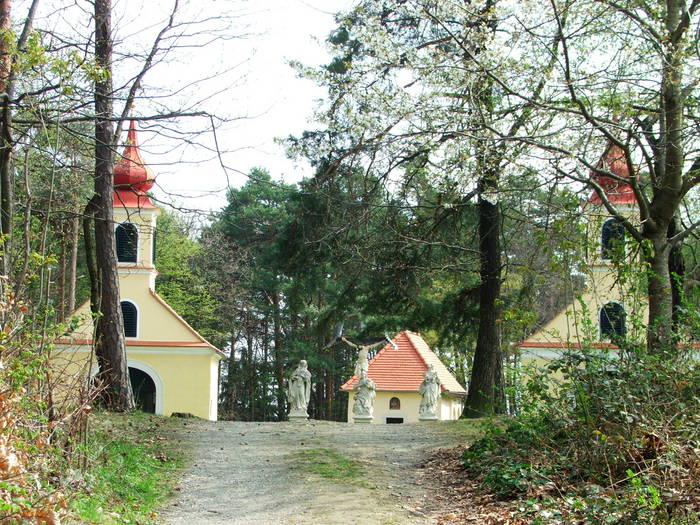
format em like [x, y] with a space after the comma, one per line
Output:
[132, 469]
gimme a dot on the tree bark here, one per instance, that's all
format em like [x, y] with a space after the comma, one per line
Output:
[667, 185]
[485, 387]
[90, 257]
[109, 341]
[6, 144]
[62, 271]
[659, 329]
[279, 364]
[232, 371]
[73, 267]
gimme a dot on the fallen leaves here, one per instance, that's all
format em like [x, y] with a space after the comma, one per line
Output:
[455, 499]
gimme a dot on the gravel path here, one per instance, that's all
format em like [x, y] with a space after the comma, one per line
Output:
[243, 473]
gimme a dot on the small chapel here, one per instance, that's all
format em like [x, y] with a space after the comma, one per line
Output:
[172, 368]
[397, 371]
[605, 305]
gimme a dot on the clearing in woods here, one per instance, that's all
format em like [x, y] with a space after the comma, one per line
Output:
[313, 472]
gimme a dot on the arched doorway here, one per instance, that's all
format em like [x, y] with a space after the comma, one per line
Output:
[144, 390]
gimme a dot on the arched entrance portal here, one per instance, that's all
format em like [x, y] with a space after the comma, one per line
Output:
[144, 390]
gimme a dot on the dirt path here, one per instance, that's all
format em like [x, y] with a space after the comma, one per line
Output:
[252, 473]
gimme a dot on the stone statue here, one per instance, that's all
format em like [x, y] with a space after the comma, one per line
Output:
[362, 363]
[299, 391]
[365, 392]
[430, 390]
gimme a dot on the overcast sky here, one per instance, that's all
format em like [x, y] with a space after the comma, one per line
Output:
[266, 90]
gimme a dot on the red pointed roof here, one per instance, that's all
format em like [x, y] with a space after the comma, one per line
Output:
[614, 161]
[132, 177]
[401, 368]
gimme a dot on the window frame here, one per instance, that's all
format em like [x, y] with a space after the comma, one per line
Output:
[617, 327]
[122, 240]
[137, 316]
[611, 232]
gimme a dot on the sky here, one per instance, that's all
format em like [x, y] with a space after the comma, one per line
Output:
[262, 88]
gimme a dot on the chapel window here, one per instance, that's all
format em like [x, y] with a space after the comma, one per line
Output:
[130, 317]
[127, 241]
[613, 233]
[612, 321]
[394, 403]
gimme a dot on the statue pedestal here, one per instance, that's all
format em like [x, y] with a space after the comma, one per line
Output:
[427, 418]
[363, 419]
[298, 415]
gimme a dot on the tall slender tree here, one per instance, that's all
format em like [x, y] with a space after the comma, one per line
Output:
[110, 346]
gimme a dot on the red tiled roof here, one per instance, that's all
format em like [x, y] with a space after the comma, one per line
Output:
[617, 192]
[130, 170]
[132, 176]
[128, 198]
[402, 368]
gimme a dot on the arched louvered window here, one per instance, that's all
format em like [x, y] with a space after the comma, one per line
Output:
[127, 241]
[130, 316]
[394, 403]
[613, 234]
[612, 321]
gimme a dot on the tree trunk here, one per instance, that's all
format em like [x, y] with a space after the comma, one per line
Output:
[676, 268]
[279, 364]
[330, 385]
[485, 394]
[248, 367]
[62, 271]
[659, 330]
[230, 399]
[73, 268]
[90, 256]
[6, 145]
[109, 341]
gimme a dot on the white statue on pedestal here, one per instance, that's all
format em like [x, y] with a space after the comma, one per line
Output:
[430, 390]
[299, 391]
[365, 392]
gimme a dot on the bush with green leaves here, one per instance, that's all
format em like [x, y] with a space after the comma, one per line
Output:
[615, 431]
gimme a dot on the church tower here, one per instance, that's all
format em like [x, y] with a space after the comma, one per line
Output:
[607, 302]
[135, 218]
[172, 368]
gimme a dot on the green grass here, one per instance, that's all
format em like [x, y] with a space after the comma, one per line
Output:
[327, 464]
[132, 469]
[469, 430]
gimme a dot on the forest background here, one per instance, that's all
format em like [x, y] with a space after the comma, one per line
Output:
[389, 233]
[457, 144]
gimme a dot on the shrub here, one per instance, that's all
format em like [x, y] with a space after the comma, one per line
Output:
[615, 435]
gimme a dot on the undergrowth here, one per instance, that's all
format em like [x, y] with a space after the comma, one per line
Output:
[57, 460]
[132, 469]
[35, 428]
[615, 440]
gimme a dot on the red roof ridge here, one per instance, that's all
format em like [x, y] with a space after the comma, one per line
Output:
[443, 372]
[401, 365]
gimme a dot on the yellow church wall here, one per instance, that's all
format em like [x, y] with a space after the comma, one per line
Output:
[581, 317]
[185, 378]
[450, 407]
[155, 321]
